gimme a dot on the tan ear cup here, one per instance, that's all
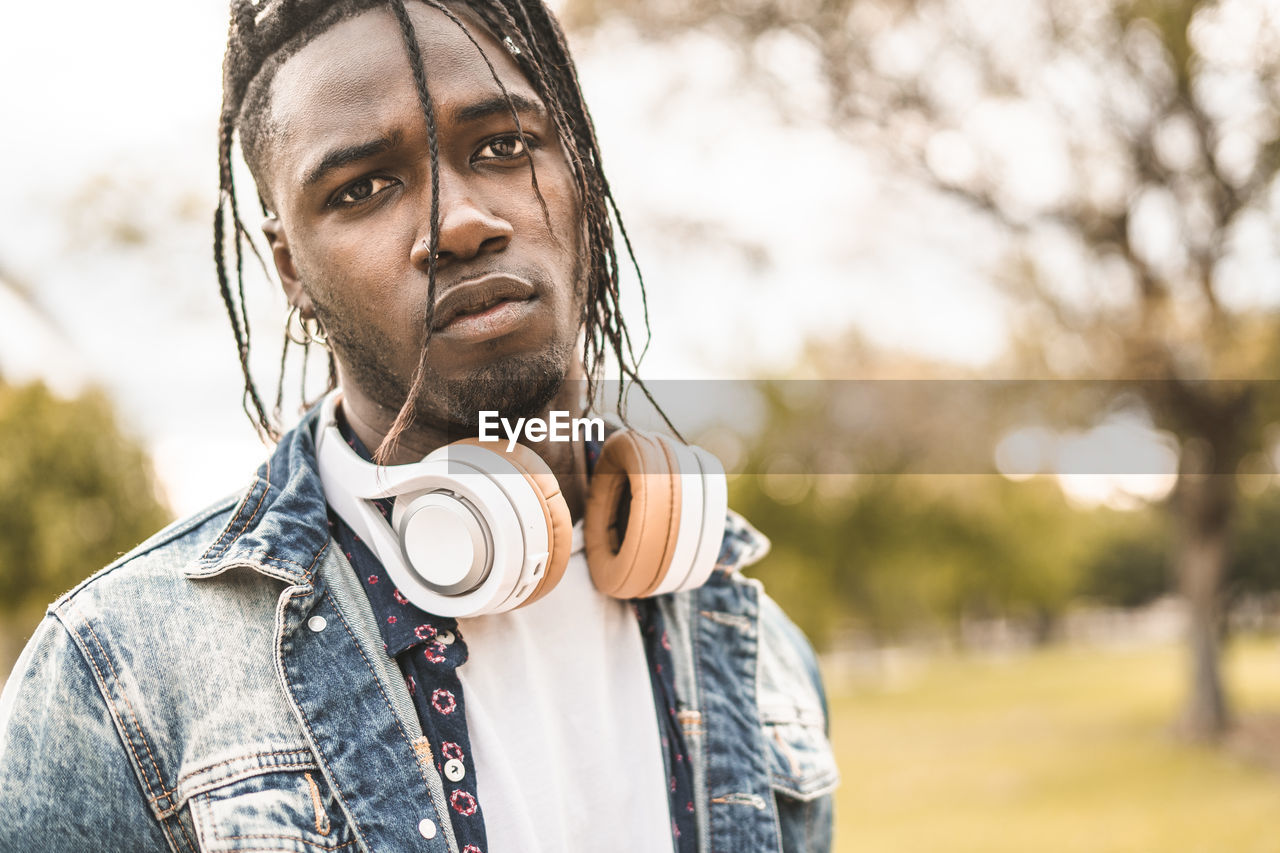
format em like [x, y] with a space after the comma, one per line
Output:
[554, 509]
[629, 557]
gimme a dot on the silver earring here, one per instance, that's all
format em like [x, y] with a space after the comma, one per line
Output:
[292, 320]
[304, 331]
[315, 331]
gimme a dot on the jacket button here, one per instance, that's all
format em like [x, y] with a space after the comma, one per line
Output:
[317, 623]
[454, 770]
[446, 637]
[427, 828]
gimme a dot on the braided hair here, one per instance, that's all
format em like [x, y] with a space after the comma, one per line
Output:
[265, 34]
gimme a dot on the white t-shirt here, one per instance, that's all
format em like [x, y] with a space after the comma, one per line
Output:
[561, 718]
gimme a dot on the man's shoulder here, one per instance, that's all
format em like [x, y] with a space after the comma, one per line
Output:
[789, 678]
[788, 667]
[738, 643]
[175, 627]
[791, 699]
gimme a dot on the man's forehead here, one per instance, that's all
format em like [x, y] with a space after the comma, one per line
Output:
[359, 69]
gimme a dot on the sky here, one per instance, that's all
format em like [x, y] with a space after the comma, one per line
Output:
[111, 113]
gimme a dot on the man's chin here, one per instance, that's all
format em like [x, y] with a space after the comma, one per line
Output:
[516, 388]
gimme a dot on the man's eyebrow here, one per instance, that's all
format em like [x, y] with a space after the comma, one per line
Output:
[496, 105]
[349, 154]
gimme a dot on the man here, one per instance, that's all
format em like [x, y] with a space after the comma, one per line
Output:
[251, 678]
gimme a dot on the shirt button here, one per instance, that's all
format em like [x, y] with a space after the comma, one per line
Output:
[427, 828]
[317, 623]
[454, 770]
[446, 637]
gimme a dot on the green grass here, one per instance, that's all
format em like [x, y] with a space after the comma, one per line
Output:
[1060, 750]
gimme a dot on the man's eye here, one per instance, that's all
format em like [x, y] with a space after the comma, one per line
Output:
[362, 189]
[502, 148]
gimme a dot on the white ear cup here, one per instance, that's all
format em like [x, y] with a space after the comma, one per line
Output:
[467, 535]
[518, 506]
[704, 501]
[689, 478]
[715, 507]
[452, 527]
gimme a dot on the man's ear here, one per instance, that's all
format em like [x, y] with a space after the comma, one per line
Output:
[283, 257]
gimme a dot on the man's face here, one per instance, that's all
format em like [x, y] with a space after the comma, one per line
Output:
[349, 176]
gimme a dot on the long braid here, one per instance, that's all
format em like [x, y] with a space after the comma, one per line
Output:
[404, 418]
[254, 37]
[548, 44]
[540, 42]
[239, 319]
[502, 87]
[284, 356]
[606, 300]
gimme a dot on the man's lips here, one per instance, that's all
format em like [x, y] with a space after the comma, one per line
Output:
[478, 296]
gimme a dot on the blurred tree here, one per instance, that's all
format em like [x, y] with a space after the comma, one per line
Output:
[74, 493]
[1255, 563]
[1128, 150]
[889, 556]
[1130, 565]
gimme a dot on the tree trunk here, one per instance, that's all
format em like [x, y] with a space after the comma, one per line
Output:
[1204, 505]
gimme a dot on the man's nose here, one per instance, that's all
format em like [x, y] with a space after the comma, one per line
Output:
[468, 226]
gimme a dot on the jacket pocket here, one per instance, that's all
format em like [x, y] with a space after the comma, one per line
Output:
[803, 766]
[275, 812]
[803, 775]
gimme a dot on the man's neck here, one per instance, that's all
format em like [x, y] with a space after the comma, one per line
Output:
[566, 459]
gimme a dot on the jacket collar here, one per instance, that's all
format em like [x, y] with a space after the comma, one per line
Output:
[742, 545]
[280, 527]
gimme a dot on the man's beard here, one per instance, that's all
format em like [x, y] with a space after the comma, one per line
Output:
[515, 387]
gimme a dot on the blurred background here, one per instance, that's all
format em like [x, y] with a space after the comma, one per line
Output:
[1065, 641]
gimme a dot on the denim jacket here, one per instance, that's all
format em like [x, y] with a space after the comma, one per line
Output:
[224, 688]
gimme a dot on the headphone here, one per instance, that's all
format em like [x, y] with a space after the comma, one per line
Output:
[478, 530]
